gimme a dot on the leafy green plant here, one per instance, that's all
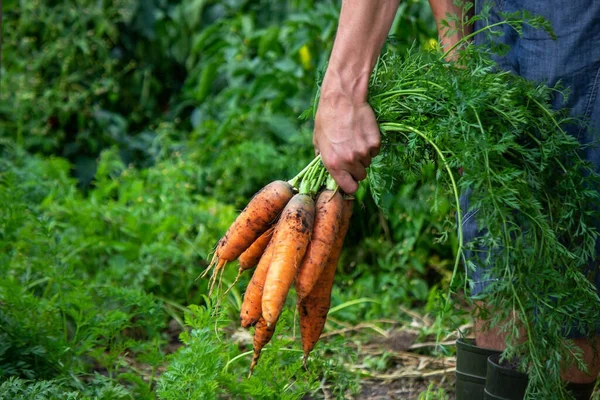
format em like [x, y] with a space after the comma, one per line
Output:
[20, 389]
[209, 368]
[401, 255]
[432, 394]
[59, 271]
[500, 130]
[51, 327]
[79, 77]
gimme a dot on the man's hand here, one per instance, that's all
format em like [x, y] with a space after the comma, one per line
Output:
[347, 137]
[346, 132]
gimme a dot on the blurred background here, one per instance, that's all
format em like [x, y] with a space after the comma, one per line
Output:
[131, 134]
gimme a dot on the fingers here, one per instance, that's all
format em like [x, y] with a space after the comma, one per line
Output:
[347, 170]
[373, 143]
[358, 172]
[374, 149]
[347, 137]
[368, 152]
[348, 180]
[347, 165]
[345, 181]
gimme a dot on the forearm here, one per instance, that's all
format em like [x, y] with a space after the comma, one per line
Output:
[362, 30]
[440, 10]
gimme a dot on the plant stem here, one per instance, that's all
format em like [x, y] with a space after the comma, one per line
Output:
[401, 92]
[391, 126]
[351, 303]
[464, 39]
[403, 128]
[319, 182]
[304, 185]
[331, 183]
[294, 181]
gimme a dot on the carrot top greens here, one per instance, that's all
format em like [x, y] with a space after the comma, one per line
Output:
[525, 175]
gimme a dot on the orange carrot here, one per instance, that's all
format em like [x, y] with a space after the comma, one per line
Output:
[327, 220]
[252, 255]
[249, 258]
[262, 335]
[251, 306]
[290, 239]
[252, 222]
[313, 308]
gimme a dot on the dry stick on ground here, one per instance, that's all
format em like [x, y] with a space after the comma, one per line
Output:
[356, 328]
[431, 344]
[422, 318]
[407, 358]
[400, 374]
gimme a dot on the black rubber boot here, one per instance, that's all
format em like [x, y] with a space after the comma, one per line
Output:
[504, 381]
[581, 391]
[471, 369]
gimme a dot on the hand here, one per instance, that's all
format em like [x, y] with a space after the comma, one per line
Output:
[347, 137]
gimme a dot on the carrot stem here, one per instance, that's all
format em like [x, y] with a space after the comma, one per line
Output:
[294, 181]
[319, 181]
[331, 184]
[314, 179]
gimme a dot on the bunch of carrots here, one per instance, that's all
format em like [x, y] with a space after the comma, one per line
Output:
[291, 232]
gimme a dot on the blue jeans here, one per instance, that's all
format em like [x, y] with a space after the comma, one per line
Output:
[573, 59]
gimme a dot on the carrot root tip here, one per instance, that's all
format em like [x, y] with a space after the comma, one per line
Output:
[212, 285]
[203, 274]
[215, 276]
[253, 364]
[211, 264]
[237, 278]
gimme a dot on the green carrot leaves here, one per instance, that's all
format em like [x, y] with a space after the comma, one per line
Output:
[496, 135]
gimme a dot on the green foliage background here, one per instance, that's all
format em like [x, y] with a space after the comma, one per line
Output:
[131, 133]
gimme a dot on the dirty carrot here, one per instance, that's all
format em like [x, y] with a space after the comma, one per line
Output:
[251, 306]
[329, 206]
[252, 222]
[249, 258]
[314, 307]
[262, 335]
[290, 240]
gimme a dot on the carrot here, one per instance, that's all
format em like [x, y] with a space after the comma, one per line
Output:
[262, 335]
[252, 255]
[313, 308]
[327, 220]
[290, 240]
[251, 306]
[255, 219]
[249, 258]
